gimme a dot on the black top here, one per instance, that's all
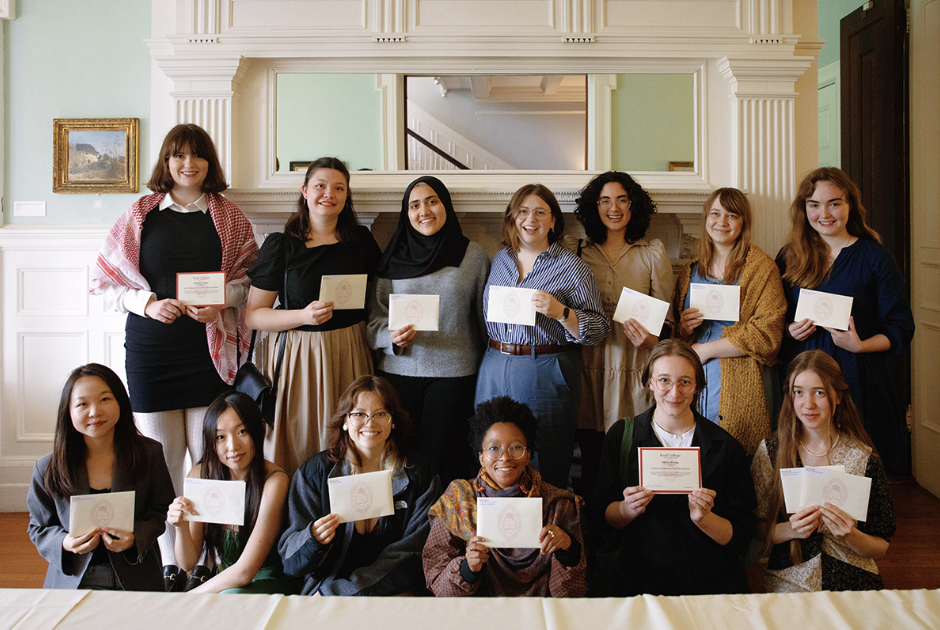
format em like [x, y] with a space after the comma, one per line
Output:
[664, 552]
[306, 265]
[168, 365]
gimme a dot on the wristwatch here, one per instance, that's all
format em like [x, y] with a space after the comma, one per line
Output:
[565, 316]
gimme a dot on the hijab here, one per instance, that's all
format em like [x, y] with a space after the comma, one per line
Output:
[411, 254]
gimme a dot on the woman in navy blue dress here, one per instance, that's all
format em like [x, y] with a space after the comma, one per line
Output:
[832, 249]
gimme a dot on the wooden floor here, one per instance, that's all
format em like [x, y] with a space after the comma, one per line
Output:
[913, 561]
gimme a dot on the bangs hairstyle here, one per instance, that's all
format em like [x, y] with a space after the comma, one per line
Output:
[401, 432]
[161, 180]
[510, 236]
[733, 201]
[502, 409]
[298, 225]
[845, 417]
[805, 253]
[213, 468]
[69, 450]
[676, 348]
[642, 207]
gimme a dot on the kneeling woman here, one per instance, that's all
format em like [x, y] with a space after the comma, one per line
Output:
[377, 556]
[676, 544]
[456, 562]
[232, 446]
[98, 450]
[820, 547]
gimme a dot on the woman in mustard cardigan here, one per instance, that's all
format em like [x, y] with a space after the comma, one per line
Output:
[736, 355]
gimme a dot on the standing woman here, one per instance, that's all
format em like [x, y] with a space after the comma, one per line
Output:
[832, 249]
[435, 373]
[820, 547]
[98, 450]
[615, 212]
[540, 365]
[737, 355]
[325, 350]
[178, 358]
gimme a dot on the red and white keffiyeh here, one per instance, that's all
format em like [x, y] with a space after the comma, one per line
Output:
[119, 264]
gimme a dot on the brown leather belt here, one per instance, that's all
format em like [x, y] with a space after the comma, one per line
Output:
[519, 349]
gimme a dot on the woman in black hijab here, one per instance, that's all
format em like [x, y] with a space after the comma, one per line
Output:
[433, 371]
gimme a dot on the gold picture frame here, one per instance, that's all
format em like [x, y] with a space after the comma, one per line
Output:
[95, 155]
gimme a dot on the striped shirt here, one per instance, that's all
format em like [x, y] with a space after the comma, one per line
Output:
[564, 275]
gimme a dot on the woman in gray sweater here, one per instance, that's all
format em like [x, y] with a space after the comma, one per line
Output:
[433, 371]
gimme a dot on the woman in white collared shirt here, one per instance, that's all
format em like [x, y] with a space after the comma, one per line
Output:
[179, 357]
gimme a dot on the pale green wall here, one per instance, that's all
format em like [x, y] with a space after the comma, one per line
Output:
[329, 115]
[828, 15]
[652, 121]
[68, 59]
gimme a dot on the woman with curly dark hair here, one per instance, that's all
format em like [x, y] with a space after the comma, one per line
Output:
[370, 431]
[457, 562]
[615, 212]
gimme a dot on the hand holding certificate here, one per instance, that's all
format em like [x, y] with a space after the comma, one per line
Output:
[648, 311]
[815, 486]
[112, 510]
[510, 305]
[716, 301]
[670, 470]
[358, 497]
[421, 311]
[824, 309]
[346, 292]
[214, 501]
[201, 289]
[510, 522]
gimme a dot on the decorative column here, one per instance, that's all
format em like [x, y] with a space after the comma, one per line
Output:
[763, 103]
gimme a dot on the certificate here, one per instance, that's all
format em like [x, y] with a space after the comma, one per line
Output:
[716, 301]
[510, 305]
[201, 289]
[845, 491]
[358, 497]
[421, 311]
[670, 470]
[648, 311]
[509, 522]
[109, 509]
[824, 309]
[214, 501]
[791, 480]
[346, 292]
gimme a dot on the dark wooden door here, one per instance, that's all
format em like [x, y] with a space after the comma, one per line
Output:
[874, 106]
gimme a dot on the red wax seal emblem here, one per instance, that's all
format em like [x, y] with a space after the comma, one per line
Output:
[714, 302]
[511, 305]
[823, 308]
[509, 522]
[343, 292]
[361, 497]
[835, 492]
[214, 501]
[641, 311]
[102, 513]
[414, 312]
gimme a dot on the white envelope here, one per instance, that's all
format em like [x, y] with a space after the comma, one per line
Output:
[359, 497]
[216, 501]
[419, 310]
[716, 301]
[670, 470]
[345, 292]
[824, 309]
[648, 311]
[509, 522]
[510, 305]
[845, 491]
[791, 480]
[109, 509]
[201, 289]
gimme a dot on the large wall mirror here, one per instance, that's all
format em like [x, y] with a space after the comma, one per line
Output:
[488, 122]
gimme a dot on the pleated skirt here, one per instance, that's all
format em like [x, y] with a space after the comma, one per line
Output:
[317, 368]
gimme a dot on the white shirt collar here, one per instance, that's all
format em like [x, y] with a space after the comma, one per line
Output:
[674, 441]
[200, 205]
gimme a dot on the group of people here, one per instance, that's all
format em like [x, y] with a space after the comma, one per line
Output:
[355, 396]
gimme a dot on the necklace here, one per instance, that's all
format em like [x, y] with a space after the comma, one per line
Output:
[826, 452]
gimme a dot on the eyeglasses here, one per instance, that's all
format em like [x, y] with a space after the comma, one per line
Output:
[606, 203]
[357, 418]
[493, 453]
[664, 384]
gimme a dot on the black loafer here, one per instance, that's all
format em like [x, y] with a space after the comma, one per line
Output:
[200, 575]
[173, 578]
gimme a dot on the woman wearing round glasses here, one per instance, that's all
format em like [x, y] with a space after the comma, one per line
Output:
[675, 544]
[457, 562]
[615, 212]
[375, 556]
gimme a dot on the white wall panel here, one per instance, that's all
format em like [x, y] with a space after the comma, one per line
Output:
[44, 361]
[52, 291]
[254, 15]
[473, 15]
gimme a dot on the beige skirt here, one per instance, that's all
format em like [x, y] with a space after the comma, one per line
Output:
[317, 369]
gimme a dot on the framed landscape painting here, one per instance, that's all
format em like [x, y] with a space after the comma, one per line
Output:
[95, 155]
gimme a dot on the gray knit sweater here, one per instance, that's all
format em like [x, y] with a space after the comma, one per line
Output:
[454, 350]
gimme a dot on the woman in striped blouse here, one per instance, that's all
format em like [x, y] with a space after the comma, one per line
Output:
[540, 365]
